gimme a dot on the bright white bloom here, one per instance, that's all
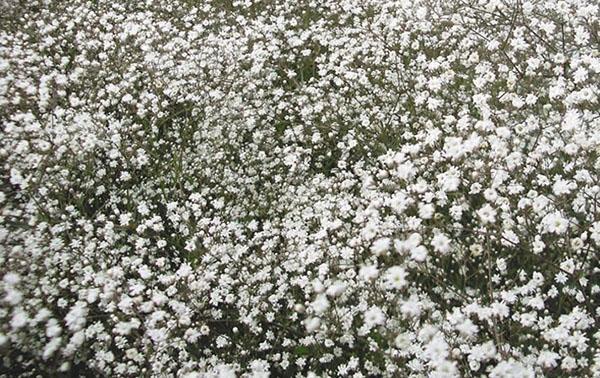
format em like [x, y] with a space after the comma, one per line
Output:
[320, 304]
[144, 272]
[571, 120]
[448, 181]
[51, 348]
[380, 246]
[568, 265]
[511, 369]
[487, 214]
[548, 359]
[555, 223]
[312, 324]
[11, 278]
[76, 317]
[368, 272]
[18, 320]
[440, 243]
[561, 187]
[419, 253]
[374, 316]
[403, 340]
[411, 308]
[426, 211]
[395, 277]
[336, 289]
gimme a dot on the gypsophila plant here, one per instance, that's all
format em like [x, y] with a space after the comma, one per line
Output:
[259, 188]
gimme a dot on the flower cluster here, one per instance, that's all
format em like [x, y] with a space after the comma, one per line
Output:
[300, 188]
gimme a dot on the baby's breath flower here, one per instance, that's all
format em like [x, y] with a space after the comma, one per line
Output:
[354, 188]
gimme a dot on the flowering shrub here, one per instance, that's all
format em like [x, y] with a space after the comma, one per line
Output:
[331, 188]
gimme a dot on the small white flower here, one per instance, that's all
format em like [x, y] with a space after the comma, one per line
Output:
[18, 320]
[320, 304]
[419, 253]
[487, 214]
[548, 359]
[396, 277]
[11, 279]
[336, 289]
[380, 246]
[318, 286]
[561, 187]
[440, 243]
[403, 340]
[144, 272]
[568, 266]
[555, 223]
[51, 347]
[571, 120]
[426, 211]
[374, 316]
[368, 272]
[312, 324]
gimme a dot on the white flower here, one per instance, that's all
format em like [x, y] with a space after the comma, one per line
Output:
[411, 308]
[312, 324]
[76, 317]
[222, 341]
[225, 371]
[436, 350]
[555, 223]
[419, 253]
[336, 289]
[568, 265]
[561, 187]
[403, 340]
[19, 319]
[548, 359]
[11, 278]
[595, 233]
[413, 241]
[511, 369]
[487, 214]
[396, 277]
[144, 272]
[368, 272]
[204, 330]
[568, 363]
[318, 286]
[184, 270]
[426, 211]
[92, 295]
[320, 304]
[51, 347]
[467, 328]
[448, 181]
[374, 316]
[53, 329]
[13, 296]
[380, 246]
[405, 171]
[440, 243]
[571, 120]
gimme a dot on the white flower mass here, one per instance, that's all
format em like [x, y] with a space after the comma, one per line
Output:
[311, 188]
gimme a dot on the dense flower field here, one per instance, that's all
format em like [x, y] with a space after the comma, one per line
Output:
[220, 188]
